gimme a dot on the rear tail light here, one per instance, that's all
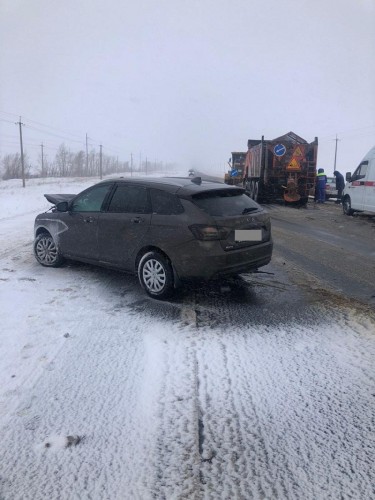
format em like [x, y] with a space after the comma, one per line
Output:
[209, 233]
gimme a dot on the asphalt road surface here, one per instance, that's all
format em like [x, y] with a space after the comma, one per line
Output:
[321, 243]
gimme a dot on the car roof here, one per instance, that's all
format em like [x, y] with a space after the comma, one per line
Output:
[183, 185]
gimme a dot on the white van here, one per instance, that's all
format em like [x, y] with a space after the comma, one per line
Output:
[359, 191]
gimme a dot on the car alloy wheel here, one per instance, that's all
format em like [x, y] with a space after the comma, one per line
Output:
[46, 251]
[155, 275]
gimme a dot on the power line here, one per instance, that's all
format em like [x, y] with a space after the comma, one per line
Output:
[9, 114]
[116, 150]
[43, 125]
[7, 121]
[55, 135]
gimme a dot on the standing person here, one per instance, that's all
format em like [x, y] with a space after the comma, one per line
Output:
[340, 184]
[321, 180]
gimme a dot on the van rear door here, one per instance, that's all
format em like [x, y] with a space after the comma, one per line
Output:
[369, 199]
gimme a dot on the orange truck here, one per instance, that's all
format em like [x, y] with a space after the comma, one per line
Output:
[282, 169]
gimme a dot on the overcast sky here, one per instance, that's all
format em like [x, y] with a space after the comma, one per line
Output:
[188, 81]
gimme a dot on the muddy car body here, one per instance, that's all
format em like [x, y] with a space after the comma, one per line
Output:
[165, 229]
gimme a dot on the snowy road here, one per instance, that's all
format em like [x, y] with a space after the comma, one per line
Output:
[244, 389]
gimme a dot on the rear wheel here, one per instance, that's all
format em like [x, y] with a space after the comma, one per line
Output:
[155, 275]
[252, 190]
[46, 251]
[347, 206]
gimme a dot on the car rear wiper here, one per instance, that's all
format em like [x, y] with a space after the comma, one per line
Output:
[248, 209]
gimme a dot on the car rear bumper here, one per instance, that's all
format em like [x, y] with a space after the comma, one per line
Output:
[208, 260]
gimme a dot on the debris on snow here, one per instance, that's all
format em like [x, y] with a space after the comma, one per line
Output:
[59, 442]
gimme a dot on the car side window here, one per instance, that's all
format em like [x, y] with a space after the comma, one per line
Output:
[164, 203]
[91, 200]
[129, 199]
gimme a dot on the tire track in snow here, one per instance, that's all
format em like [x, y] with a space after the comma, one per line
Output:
[221, 451]
[176, 448]
[228, 459]
[288, 417]
[254, 433]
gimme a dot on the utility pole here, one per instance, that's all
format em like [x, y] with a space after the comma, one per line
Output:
[87, 157]
[22, 163]
[100, 162]
[334, 167]
[140, 162]
[131, 164]
[146, 165]
[42, 160]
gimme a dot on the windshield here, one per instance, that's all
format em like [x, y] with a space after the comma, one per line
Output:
[225, 202]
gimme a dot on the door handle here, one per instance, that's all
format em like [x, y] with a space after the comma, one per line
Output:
[88, 219]
[137, 220]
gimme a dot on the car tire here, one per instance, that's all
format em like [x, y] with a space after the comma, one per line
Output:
[46, 251]
[347, 206]
[155, 275]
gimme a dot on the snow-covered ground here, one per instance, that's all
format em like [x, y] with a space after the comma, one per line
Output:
[108, 394]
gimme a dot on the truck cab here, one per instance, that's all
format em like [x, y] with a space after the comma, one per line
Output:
[359, 191]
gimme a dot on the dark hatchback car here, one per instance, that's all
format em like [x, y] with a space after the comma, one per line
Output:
[166, 230]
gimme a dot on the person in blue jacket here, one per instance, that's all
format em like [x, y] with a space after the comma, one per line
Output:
[340, 184]
[321, 180]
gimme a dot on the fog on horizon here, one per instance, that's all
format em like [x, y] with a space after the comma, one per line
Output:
[187, 82]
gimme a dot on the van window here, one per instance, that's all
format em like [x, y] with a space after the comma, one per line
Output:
[361, 171]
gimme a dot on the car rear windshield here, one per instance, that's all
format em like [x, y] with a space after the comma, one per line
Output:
[225, 202]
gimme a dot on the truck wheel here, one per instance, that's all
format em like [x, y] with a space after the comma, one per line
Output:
[256, 191]
[347, 206]
[252, 190]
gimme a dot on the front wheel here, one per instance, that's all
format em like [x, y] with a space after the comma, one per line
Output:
[155, 275]
[46, 251]
[347, 206]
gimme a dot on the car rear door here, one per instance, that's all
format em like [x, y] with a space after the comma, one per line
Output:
[124, 225]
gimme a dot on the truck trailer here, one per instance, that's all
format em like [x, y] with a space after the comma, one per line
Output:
[282, 169]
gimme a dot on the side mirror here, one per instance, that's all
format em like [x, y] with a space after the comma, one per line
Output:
[348, 177]
[63, 206]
